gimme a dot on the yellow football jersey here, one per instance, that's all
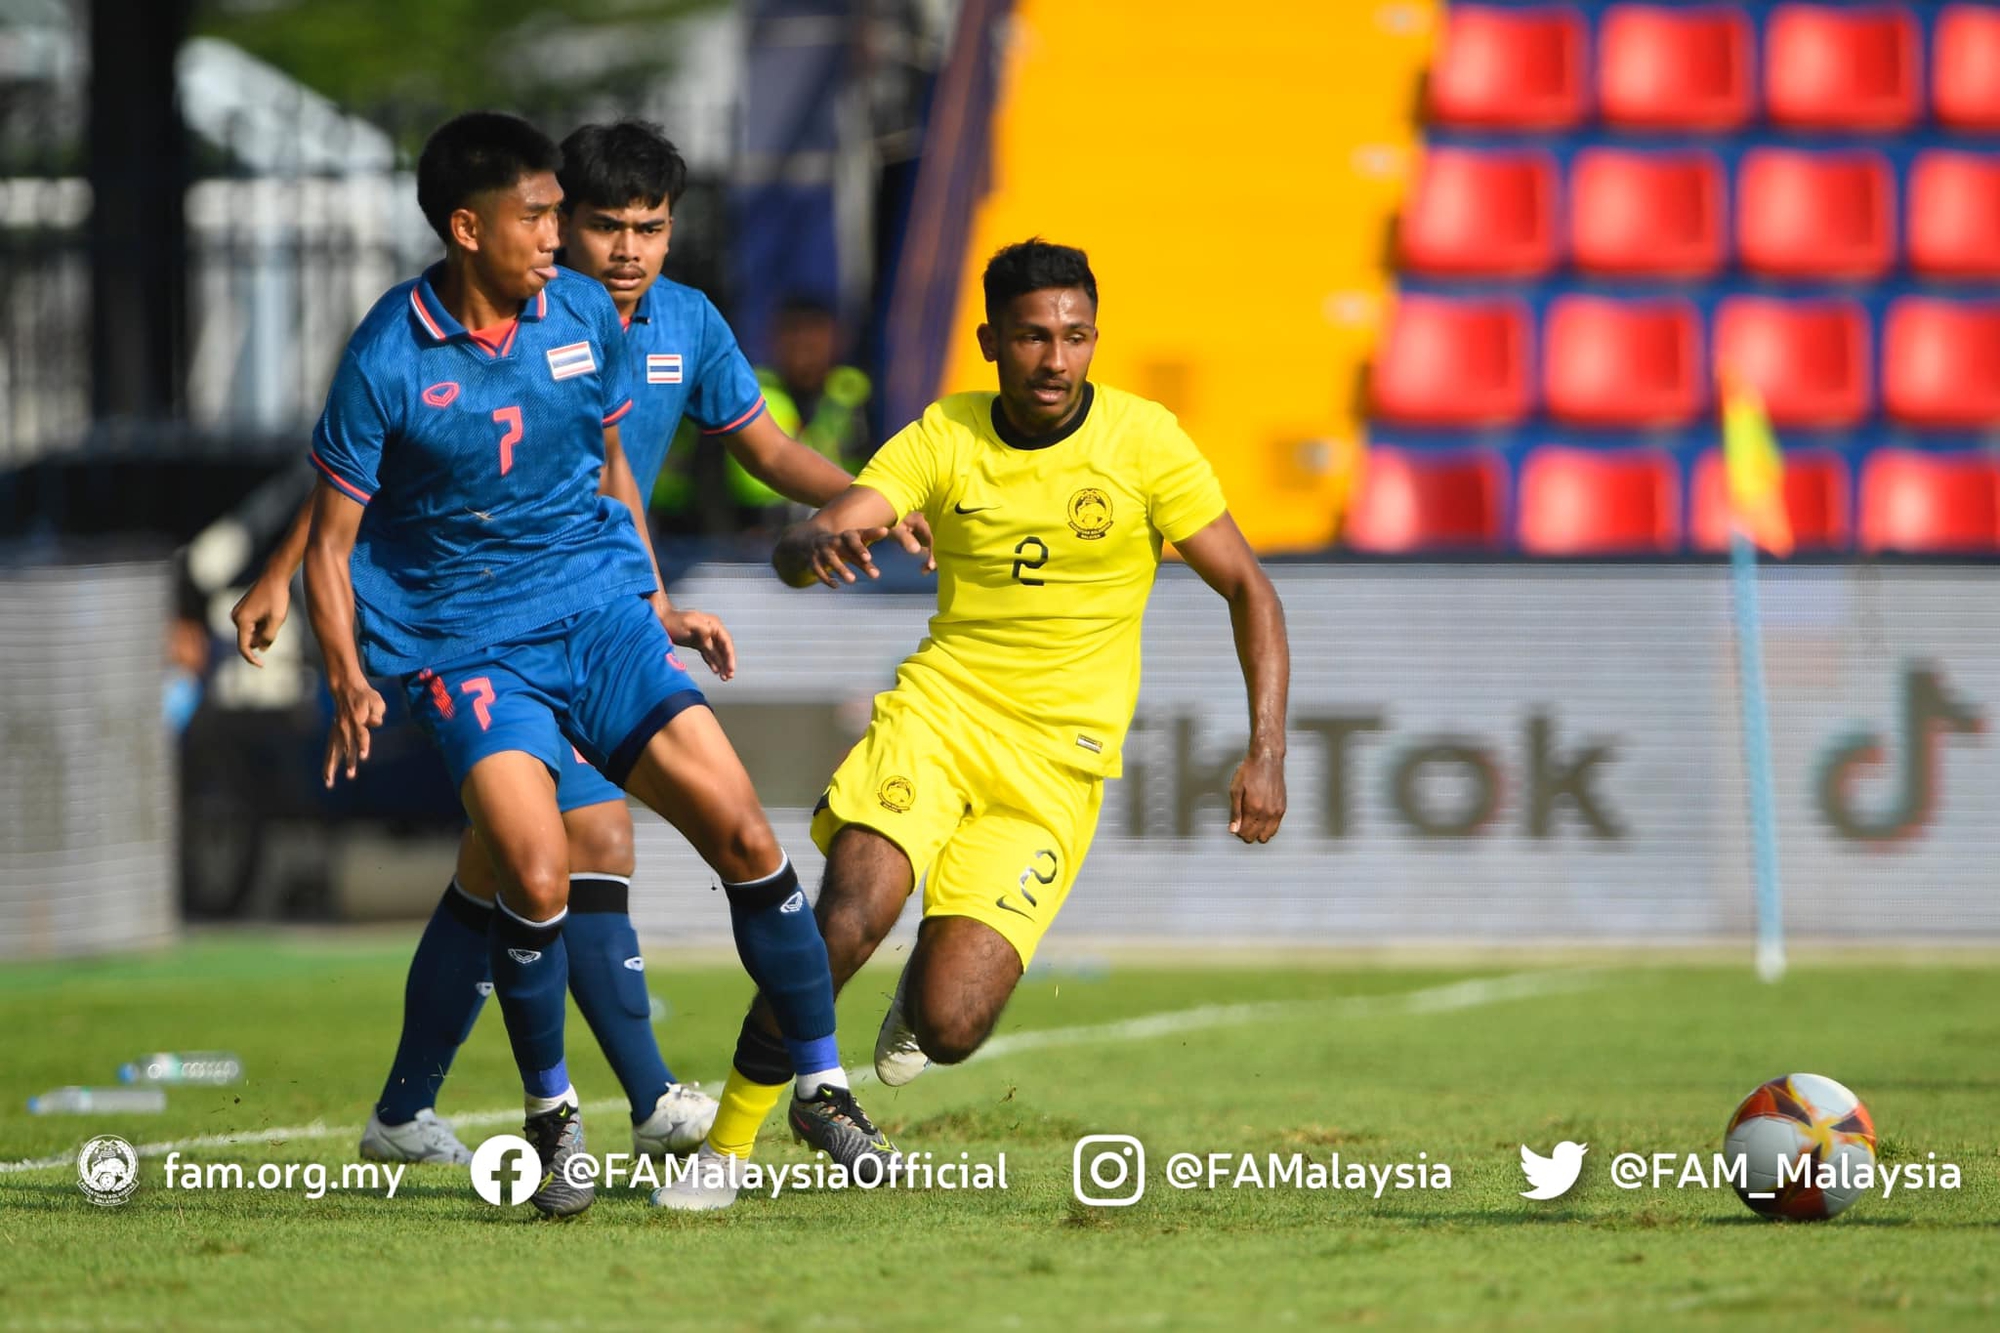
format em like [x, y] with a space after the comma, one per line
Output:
[1045, 555]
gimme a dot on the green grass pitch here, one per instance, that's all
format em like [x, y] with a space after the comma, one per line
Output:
[1318, 1060]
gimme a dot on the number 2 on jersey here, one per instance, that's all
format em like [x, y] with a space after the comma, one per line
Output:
[510, 417]
[1023, 560]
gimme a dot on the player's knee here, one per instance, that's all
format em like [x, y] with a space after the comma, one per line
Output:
[600, 843]
[951, 1036]
[538, 886]
[748, 851]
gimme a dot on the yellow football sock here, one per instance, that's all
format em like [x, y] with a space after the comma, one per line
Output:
[745, 1106]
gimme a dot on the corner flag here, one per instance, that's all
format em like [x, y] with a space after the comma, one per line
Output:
[1755, 470]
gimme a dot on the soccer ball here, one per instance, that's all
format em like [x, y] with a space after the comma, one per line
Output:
[1807, 1146]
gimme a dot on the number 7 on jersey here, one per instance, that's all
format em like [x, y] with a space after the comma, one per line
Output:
[510, 417]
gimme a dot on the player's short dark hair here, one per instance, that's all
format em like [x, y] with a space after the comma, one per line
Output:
[612, 165]
[474, 153]
[1032, 265]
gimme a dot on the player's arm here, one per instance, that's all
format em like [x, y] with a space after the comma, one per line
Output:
[821, 548]
[690, 629]
[336, 518]
[260, 613]
[805, 476]
[798, 473]
[1226, 563]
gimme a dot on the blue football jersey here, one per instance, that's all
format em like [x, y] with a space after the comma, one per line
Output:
[685, 363]
[480, 471]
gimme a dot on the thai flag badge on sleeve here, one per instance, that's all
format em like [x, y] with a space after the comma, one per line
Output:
[571, 361]
[663, 368]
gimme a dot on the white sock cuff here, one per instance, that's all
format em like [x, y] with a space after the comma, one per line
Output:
[784, 864]
[555, 920]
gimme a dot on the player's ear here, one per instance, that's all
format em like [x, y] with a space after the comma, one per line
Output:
[989, 342]
[465, 228]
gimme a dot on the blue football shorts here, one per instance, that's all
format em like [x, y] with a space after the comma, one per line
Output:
[600, 684]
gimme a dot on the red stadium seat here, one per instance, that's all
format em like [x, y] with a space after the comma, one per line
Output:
[1930, 503]
[1837, 67]
[1598, 502]
[1817, 495]
[1965, 67]
[1665, 67]
[1623, 363]
[1655, 215]
[1416, 501]
[1809, 359]
[1941, 363]
[1509, 69]
[1481, 214]
[1448, 362]
[1816, 215]
[1954, 215]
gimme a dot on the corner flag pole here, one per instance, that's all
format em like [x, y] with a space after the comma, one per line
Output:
[1755, 472]
[1757, 756]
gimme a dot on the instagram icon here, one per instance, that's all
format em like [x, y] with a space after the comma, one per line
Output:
[1108, 1170]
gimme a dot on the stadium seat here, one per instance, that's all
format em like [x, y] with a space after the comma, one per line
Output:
[1954, 215]
[1838, 67]
[1815, 215]
[1653, 215]
[1665, 67]
[1481, 214]
[1808, 359]
[1416, 501]
[1941, 363]
[1448, 362]
[1930, 503]
[1817, 497]
[1632, 363]
[1965, 67]
[1598, 502]
[1509, 69]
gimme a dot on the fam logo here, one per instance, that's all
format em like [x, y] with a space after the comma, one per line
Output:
[1090, 513]
[897, 795]
[107, 1170]
[1929, 714]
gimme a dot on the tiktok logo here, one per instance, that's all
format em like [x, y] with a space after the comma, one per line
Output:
[1928, 710]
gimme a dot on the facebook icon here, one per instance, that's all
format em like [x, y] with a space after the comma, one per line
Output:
[505, 1170]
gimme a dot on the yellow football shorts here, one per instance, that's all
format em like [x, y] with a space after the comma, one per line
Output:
[993, 830]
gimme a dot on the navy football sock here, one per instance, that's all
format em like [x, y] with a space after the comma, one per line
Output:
[531, 977]
[608, 979]
[780, 945]
[446, 988]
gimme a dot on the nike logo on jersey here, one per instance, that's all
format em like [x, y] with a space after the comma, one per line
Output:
[976, 509]
[1002, 903]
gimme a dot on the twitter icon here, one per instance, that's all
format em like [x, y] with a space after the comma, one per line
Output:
[1552, 1176]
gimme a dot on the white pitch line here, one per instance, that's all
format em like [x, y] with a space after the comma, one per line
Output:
[1455, 996]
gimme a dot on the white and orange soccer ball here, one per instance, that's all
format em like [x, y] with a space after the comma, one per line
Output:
[1807, 1146]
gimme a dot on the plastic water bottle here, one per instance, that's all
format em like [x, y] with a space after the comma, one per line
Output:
[75, 1100]
[208, 1068]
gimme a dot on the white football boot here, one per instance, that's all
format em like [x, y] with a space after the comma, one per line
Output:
[704, 1183]
[424, 1139]
[678, 1124]
[898, 1058]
